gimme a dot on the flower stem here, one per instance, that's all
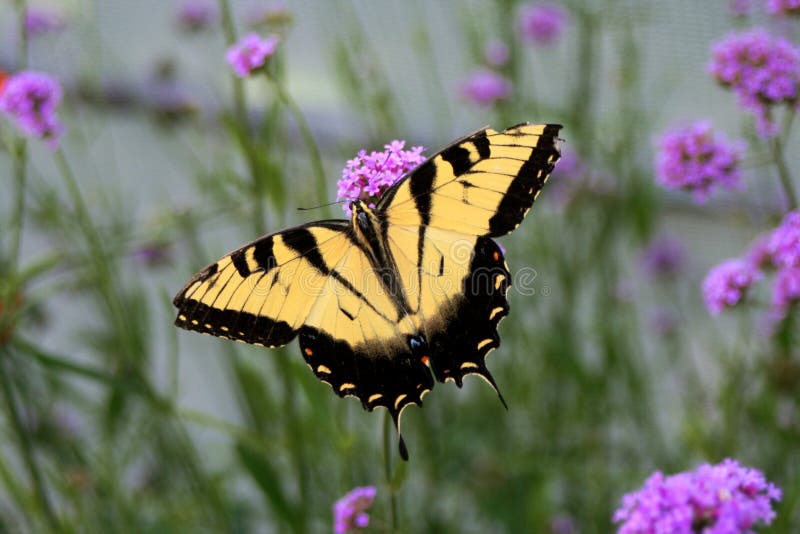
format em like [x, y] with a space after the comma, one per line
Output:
[783, 172]
[20, 150]
[387, 465]
[25, 446]
[240, 110]
[308, 138]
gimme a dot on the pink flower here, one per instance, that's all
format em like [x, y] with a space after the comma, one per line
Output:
[367, 176]
[786, 290]
[196, 15]
[784, 242]
[727, 284]
[350, 512]
[783, 7]
[496, 53]
[542, 24]
[697, 159]
[485, 87]
[31, 98]
[762, 70]
[726, 498]
[251, 53]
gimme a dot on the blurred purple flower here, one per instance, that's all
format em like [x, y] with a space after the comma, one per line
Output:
[196, 15]
[563, 524]
[759, 254]
[783, 7]
[763, 70]
[784, 242]
[663, 322]
[741, 8]
[41, 20]
[367, 176]
[714, 499]
[664, 257]
[542, 23]
[251, 53]
[697, 159]
[726, 284]
[31, 99]
[496, 53]
[155, 254]
[485, 87]
[350, 512]
[786, 290]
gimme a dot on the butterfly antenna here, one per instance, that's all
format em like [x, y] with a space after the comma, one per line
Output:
[322, 205]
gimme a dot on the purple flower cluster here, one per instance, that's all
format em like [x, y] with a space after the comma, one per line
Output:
[350, 512]
[542, 23]
[496, 53]
[664, 257]
[713, 499]
[485, 87]
[727, 284]
[783, 248]
[784, 242]
[783, 7]
[763, 71]
[41, 20]
[697, 159]
[31, 98]
[196, 15]
[367, 176]
[251, 53]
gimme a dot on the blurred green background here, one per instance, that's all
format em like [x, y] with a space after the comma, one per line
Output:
[114, 421]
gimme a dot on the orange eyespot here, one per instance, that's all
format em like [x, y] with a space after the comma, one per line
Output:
[425, 360]
[496, 256]
[309, 352]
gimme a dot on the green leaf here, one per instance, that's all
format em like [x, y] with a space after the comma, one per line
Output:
[268, 481]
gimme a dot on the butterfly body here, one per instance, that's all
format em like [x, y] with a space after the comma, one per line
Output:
[398, 296]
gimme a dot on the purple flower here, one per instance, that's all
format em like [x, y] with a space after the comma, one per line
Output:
[759, 254]
[367, 176]
[41, 20]
[496, 53]
[784, 242]
[350, 512]
[250, 53]
[762, 70]
[714, 499]
[542, 24]
[485, 87]
[786, 290]
[196, 15]
[741, 8]
[727, 283]
[664, 257]
[697, 159]
[783, 7]
[31, 99]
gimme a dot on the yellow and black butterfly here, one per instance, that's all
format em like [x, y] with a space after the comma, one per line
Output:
[398, 295]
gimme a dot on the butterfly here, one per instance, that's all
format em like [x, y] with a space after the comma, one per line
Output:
[404, 293]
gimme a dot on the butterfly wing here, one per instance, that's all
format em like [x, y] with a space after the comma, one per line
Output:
[438, 223]
[482, 185]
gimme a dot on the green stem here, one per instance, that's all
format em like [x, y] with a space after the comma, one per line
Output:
[240, 111]
[387, 467]
[308, 138]
[25, 445]
[783, 172]
[20, 151]
[295, 431]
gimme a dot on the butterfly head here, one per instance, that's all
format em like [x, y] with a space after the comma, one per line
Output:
[365, 221]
